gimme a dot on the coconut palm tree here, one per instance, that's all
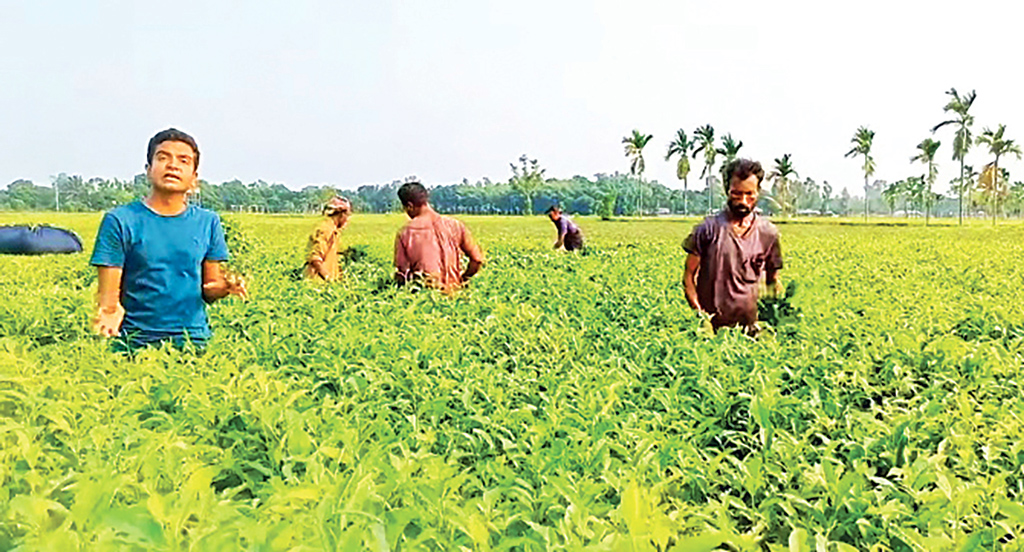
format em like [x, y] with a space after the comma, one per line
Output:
[635, 145]
[681, 146]
[960, 105]
[862, 146]
[926, 156]
[780, 189]
[730, 148]
[705, 142]
[997, 146]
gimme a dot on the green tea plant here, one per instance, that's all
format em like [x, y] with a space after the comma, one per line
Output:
[560, 402]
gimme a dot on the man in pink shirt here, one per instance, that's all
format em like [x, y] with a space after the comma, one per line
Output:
[429, 245]
[729, 253]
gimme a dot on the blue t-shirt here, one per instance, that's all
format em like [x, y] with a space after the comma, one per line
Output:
[162, 262]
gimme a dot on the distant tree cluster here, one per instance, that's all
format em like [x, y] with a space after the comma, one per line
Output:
[527, 191]
[75, 193]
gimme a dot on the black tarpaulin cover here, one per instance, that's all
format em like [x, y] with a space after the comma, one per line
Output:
[38, 240]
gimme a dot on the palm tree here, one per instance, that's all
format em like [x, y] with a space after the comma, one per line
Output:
[705, 138]
[681, 146]
[928, 148]
[780, 189]
[997, 146]
[862, 146]
[960, 105]
[730, 148]
[635, 145]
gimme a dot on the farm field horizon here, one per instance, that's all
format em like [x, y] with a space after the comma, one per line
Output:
[560, 402]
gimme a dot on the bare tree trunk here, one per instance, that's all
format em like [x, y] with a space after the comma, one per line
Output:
[995, 188]
[928, 196]
[685, 210]
[707, 182]
[961, 190]
[865, 197]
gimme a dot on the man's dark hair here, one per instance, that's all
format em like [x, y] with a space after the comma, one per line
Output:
[742, 169]
[171, 135]
[413, 193]
[553, 208]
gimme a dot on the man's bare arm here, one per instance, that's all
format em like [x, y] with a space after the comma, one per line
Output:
[109, 312]
[218, 284]
[318, 250]
[318, 265]
[772, 284]
[402, 264]
[690, 281]
[476, 256]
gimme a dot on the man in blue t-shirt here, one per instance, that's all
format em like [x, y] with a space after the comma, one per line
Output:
[569, 235]
[159, 258]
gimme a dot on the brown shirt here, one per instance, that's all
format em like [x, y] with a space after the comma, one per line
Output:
[731, 266]
[323, 246]
[431, 245]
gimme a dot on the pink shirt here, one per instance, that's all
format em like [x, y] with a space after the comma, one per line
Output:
[431, 245]
[731, 266]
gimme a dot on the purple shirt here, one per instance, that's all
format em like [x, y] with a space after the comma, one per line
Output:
[566, 226]
[731, 266]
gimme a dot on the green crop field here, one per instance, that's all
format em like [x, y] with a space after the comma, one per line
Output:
[562, 402]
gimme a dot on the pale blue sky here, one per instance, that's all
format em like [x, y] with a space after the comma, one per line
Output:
[347, 93]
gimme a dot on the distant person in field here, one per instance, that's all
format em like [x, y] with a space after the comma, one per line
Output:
[430, 246]
[322, 258]
[569, 235]
[159, 258]
[727, 253]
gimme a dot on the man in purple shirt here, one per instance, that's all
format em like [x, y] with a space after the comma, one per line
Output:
[728, 253]
[569, 235]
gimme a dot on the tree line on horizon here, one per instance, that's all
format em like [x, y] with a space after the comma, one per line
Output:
[607, 195]
[980, 192]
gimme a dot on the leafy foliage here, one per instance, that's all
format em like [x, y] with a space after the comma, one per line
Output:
[561, 402]
[526, 180]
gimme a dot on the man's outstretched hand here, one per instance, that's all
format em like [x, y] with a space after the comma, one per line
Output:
[107, 322]
[230, 284]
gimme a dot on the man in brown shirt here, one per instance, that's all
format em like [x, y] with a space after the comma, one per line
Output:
[728, 252]
[322, 259]
[429, 245]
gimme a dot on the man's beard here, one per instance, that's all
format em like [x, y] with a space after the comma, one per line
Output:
[738, 210]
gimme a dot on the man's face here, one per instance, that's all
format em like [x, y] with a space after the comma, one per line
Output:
[173, 168]
[555, 215]
[743, 195]
[341, 218]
